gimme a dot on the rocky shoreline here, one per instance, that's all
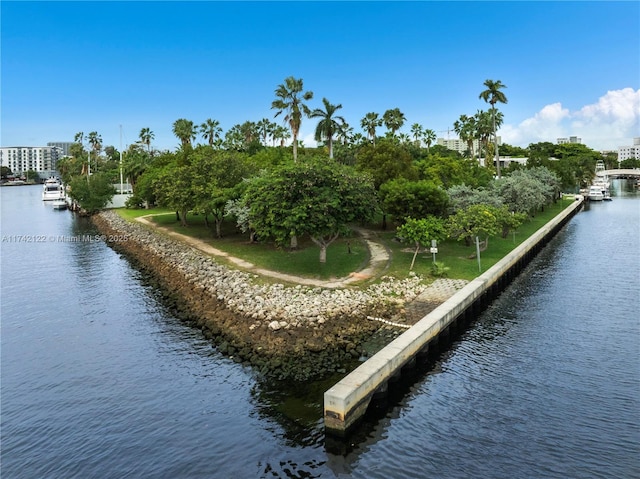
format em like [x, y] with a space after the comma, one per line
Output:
[285, 332]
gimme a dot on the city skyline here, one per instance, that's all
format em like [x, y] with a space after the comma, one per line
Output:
[571, 68]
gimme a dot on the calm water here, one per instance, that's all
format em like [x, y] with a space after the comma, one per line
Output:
[99, 379]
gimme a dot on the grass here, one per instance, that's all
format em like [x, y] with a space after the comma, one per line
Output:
[347, 255]
[460, 259]
[344, 256]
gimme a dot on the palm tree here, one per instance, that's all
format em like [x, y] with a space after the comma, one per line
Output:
[289, 99]
[328, 123]
[210, 131]
[185, 131]
[416, 131]
[146, 135]
[281, 133]
[429, 136]
[484, 129]
[393, 120]
[465, 128]
[493, 95]
[344, 133]
[369, 123]
[79, 138]
[95, 140]
[264, 129]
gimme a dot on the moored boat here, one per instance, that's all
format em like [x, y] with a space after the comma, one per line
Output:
[52, 190]
[595, 193]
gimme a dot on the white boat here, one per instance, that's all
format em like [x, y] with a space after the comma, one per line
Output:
[52, 190]
[595, 193]
[59, 205]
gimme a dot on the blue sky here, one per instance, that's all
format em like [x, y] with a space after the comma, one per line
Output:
[571, 68]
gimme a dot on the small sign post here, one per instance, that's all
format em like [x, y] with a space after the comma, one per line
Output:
[434, 249]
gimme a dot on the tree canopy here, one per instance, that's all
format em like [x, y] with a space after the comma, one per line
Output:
[315, 198]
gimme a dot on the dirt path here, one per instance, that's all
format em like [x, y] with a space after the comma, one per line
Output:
[378, 259]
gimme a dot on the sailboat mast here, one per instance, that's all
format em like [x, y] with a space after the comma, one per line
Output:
[121, 182]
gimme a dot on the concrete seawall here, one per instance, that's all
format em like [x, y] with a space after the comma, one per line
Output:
[347, 401]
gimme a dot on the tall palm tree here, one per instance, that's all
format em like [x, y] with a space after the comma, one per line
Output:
[493, 95]
[429, 136]
[210, 131]
[416, 131]
[465, 128]
[146, 135]
[264, 129]
[484, 129]
[344, 133]
[328, 123]
[95, 140]
[281, 133]
[369, 124]
[393, 120]
[185, 131]
[289, 99]
[79, 138]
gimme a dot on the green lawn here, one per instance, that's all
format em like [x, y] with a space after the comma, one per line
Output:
[344, 256]
[347, 255]
[460, 259]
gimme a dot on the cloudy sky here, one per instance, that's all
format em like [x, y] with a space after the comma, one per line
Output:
[571, 68]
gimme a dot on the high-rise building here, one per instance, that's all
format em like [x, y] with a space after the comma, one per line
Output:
[571, 139]
[456, 144]
[627, 152]
[20, 159]
[63, 145]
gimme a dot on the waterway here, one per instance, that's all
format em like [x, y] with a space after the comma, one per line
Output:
[99, 378]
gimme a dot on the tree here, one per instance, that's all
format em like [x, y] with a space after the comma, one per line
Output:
[521, 193]
[173, 188]
[289, 100]
[185, 131]
[344, 133]
[429, 136]
[448, 171]
[493, 95]
[264, 128]
[421, 232]
[402, 198]
[95, 140]
[462, 196]
[369, 123]
[6, 171]
[328, 123]
[393, 120]
[417, 132]
[465, 127]
[386, 162]
[135, 162]
[508, 220]
[93, 192]
[216, 175]
[210, 131]
[146, 135]
[317, 198]
[483, 130]
[475, 220]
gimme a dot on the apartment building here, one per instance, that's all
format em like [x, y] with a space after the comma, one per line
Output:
[20, 159]
[627, 152]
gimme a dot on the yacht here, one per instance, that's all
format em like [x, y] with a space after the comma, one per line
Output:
[52, 190]
[595, 193]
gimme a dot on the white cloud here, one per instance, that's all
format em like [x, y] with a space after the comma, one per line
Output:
[611, 122]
